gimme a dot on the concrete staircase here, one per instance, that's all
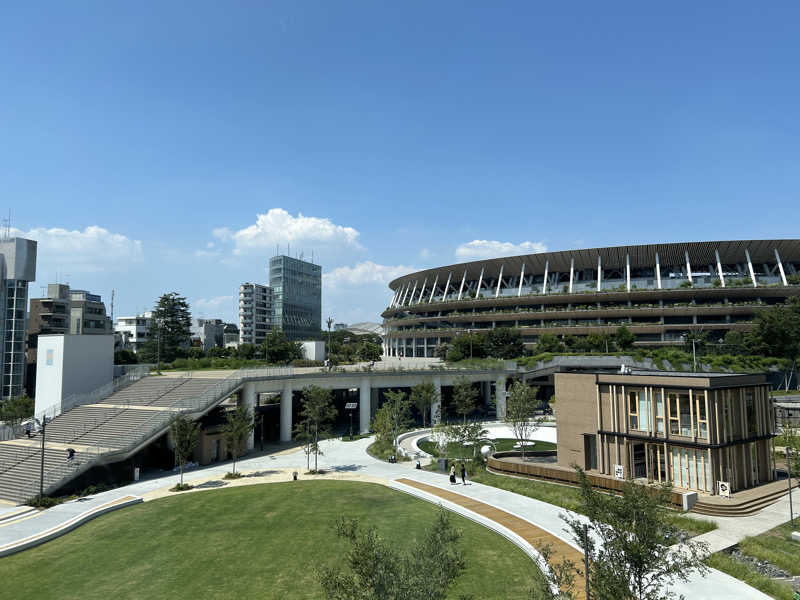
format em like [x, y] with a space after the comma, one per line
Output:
[109, 430]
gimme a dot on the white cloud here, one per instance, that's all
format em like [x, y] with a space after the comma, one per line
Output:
[364, 273]
[278, 227]
[478, 249]
[357, 293]
[212, 303]
[92, 250]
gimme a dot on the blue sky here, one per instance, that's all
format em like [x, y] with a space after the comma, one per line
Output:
[153, 147]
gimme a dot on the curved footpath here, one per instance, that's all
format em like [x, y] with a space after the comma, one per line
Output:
[350, 460]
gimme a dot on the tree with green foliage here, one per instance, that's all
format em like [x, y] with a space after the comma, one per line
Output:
[559, 578]
[377, 570]
[17, 409]
[547, 343]
[317, 412]
[169, 333]
[623, 338]
[599, 342]
[465, 397]
[504, 343]
[423, 396]
[246, 351]
[520, 406]
[184, 434]
[302, 433]
[392, 418]
[467, 435]
[125, 357]
[278, 350]
[629, 542]
[468, 345]
[238, 425]
[735, 342]
[369, 351]
[777, 333]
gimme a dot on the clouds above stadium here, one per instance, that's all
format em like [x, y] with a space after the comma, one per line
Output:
[485, 249]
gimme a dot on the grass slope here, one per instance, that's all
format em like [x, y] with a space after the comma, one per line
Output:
[262, 541]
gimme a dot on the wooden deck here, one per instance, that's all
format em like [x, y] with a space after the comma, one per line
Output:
[535, 536]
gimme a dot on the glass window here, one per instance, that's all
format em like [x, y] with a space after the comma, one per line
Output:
[633, 407]
[685, 415]
[659, 412]
[702, 419]
[674, 414]
[644, 411]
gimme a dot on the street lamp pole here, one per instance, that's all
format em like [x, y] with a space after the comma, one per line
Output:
[43, 423]
[329, 322]
[789, 471]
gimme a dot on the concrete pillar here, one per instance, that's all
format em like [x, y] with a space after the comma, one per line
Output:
[500, 398]
[364, 404]
[248, 399]
[286, 412]
[436, 407]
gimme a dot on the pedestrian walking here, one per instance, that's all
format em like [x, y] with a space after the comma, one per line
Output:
[463, 474]
[452, 475]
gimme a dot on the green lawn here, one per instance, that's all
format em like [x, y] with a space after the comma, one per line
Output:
[261, 541]
[456, 450]
[734, 568]
[569, 497]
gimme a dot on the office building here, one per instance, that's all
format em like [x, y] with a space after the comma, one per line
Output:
[230, 336]
[207, 333]
[297, 289]
[17, 270]
[255, 313]
[660, 292]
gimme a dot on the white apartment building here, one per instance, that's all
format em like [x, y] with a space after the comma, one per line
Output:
[255, 313]
[133, 330]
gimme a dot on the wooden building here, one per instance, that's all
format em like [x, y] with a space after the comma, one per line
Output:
[692, 429]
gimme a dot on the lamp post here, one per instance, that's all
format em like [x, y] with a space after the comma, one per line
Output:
[43, 425]
[329, 322]
[694, 351]
[789, 471]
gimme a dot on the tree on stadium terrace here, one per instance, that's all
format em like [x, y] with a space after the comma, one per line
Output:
[624, 338]
[169, 333]
[777, 333]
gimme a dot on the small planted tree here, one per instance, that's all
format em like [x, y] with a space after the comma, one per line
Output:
[628, 540]
[184, 434]
[392, 418]
[237, 428]
[424, 396]
[318, 412]
[465, 397]
[376, 569]
[520, 406]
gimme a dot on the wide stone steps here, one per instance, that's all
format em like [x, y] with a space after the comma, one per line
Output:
[739, 509]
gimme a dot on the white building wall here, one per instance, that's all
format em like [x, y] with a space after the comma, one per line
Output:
[314, 350]
[71, 364]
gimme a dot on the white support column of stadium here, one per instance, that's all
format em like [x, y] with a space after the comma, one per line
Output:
[447, 286]
[780, 267]
[499, 281]
[422, 291]
[599, 272]
[571, 272]
[688, 267]
[413, 291]
[249, 402]
[521, 279]
[394, 298]
[628, 271]
[403, 301]
[286, 411]
[461, 289]
[719, 268]
[658, 271]
[480, 281]
[433, 289]
[364, 405]
[546, 270]
[750, 266]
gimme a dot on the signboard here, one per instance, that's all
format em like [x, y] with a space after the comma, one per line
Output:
[350, 405]
[724, 489]
[619, 471]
